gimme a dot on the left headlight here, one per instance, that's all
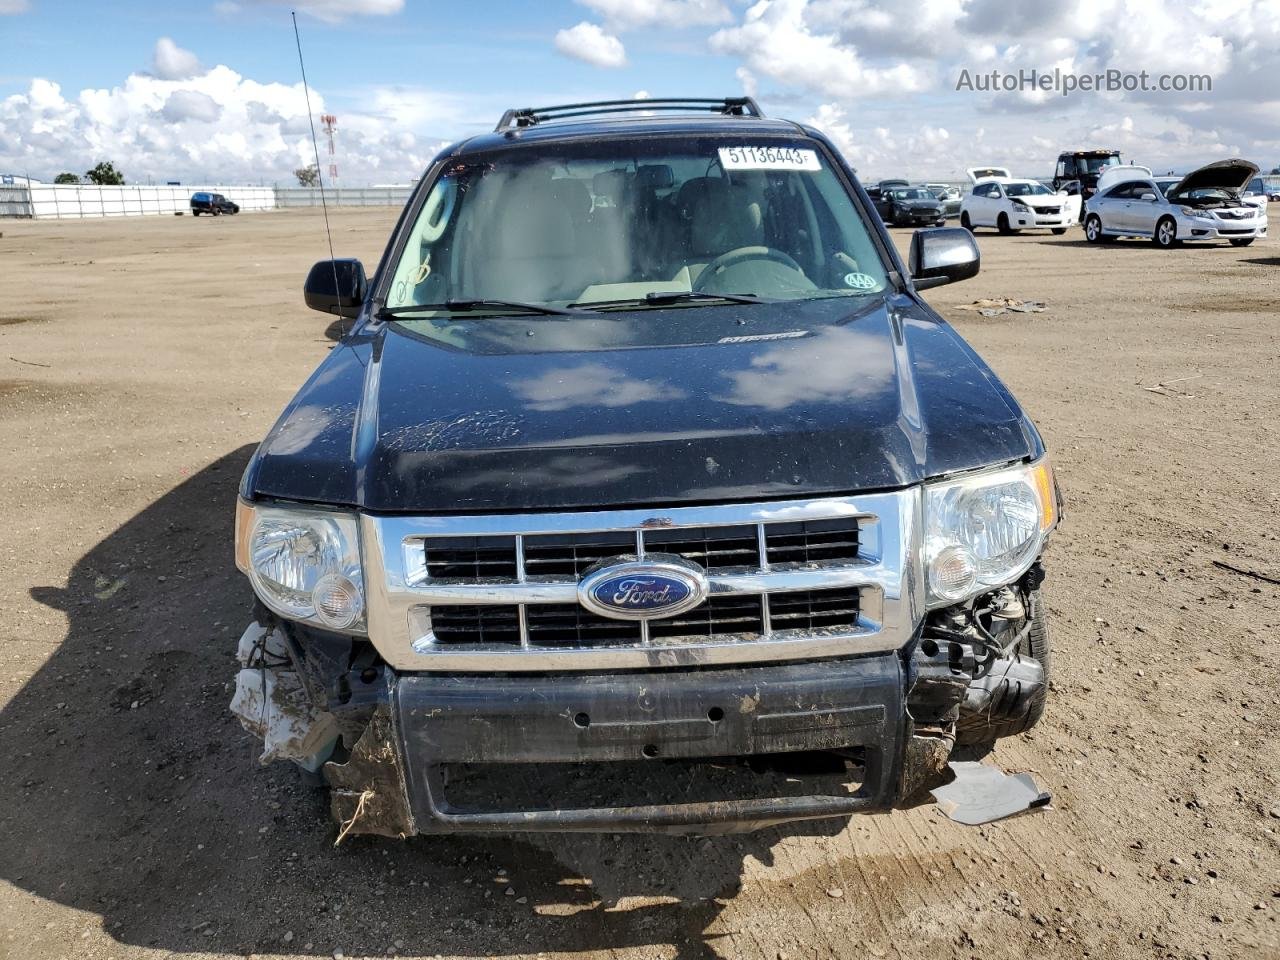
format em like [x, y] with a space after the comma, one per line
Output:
[985, 530]
[304, 563]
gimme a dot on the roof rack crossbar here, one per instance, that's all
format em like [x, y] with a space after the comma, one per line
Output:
[528, 116]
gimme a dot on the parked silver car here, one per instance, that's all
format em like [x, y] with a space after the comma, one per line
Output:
[1206, 204]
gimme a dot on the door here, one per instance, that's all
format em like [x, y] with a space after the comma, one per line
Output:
[1144, 209]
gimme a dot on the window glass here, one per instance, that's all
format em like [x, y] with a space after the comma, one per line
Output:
[590, 221]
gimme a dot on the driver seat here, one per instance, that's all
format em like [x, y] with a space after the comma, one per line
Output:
[722, 216]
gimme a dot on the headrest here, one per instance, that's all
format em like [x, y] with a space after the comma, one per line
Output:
[659, 176]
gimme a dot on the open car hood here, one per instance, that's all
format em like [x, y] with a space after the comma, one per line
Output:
[1233, 175]
[987, 173]
[1122, 171]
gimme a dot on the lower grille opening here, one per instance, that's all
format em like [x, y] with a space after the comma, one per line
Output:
[558, 625]
[502, 787]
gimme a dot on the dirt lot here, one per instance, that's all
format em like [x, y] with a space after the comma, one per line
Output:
[141, 360]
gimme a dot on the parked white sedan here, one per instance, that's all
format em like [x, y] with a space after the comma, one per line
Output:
[1206, 204]
[1010, 205]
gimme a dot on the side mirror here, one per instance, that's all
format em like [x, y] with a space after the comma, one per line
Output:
[336, 286]
[1148, 196]
[942, 255]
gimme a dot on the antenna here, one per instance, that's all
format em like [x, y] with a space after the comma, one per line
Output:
[315, 145]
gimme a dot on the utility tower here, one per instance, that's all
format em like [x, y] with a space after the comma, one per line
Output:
[330, 124]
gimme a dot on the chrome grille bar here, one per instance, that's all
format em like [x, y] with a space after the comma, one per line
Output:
[885, 577]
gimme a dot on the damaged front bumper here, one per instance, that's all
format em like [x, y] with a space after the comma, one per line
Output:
[416, 740]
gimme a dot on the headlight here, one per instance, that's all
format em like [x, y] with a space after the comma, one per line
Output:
[1195, 212]
[984, 531]
[1019, 205]
[304, 563]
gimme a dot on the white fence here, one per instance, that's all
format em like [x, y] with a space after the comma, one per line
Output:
[75, 201]
[344, 196]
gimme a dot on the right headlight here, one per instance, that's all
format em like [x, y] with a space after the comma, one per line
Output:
[985, 530]
[303, 562]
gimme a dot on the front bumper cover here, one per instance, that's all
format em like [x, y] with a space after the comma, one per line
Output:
[394, 783]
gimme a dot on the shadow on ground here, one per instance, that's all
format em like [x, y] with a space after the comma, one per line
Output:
[134, 795]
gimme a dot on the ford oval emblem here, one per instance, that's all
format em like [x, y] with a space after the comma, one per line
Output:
[643, 589]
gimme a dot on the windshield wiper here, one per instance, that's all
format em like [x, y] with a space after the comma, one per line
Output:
[466, 306]
[660, 299]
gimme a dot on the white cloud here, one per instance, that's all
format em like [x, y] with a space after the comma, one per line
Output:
[330, 11]
[183, 105]
[774, 40]
[219, 126]
[171, 62]
[590, 43]
[13, 6]
[633, 14]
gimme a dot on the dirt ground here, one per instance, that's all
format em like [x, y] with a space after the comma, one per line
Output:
[140, 361]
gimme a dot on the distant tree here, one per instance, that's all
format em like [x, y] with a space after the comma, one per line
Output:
[105, 175]
[66, 178]
[308, 176]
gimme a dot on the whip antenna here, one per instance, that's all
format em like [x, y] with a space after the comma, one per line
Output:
[315, 146]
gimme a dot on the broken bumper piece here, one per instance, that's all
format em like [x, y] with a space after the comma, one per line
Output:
[983, 794]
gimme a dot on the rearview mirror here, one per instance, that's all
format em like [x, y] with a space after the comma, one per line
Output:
[942, 255]
[336, 286]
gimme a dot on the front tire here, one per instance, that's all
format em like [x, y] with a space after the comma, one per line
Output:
[1242, 241]
[1166, 235]
[1093, 229]
[1002, 224]
[965, 221]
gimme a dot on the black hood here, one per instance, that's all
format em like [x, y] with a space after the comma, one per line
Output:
[658, 406]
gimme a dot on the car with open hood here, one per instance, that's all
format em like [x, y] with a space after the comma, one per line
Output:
[1010, 204]
[644, 491]
[948, 195]
[1206, 204]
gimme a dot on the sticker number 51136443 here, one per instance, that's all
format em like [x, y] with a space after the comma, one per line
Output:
[768, 158]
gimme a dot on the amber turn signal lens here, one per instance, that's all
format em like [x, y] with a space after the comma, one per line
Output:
[244, 527]
[1043, 474]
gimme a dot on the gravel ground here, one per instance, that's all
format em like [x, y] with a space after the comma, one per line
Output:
[140, 360]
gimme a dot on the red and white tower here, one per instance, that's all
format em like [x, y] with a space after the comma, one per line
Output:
[330, 124]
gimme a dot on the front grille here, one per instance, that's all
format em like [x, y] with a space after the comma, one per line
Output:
[787, 580]
[722, 618]
[480, 559]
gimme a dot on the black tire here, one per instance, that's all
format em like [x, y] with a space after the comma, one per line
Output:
[1166, 233]
[1058, 231]
[1093, 229]
[1009, 714]
[1002, 224]
[1241, 241]
[195, 213]
[965, 221]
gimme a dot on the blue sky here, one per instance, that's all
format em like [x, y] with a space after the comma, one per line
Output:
[209, 88]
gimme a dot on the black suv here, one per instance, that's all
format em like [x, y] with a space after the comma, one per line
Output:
[644, 492]
[214, 204]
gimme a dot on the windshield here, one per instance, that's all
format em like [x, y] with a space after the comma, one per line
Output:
[583, 222]
[913, 194]
[1026, 189]
[1164, 185]
[1094, 164]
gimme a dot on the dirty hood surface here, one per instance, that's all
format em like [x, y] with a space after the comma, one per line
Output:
[658, 406]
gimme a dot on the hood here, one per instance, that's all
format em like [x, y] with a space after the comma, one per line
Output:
[930, 204]
[1041, 200]
[987, 173]
[1122, 171]
[546, 413]
[1233, 175]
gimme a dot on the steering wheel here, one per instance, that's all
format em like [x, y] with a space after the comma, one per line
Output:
[738, 256]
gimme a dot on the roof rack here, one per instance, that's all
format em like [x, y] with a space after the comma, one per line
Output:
[528, 116]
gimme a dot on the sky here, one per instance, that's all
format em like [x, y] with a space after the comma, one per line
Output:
[210, 90]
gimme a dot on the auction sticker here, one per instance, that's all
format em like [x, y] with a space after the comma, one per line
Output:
[768, 158]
